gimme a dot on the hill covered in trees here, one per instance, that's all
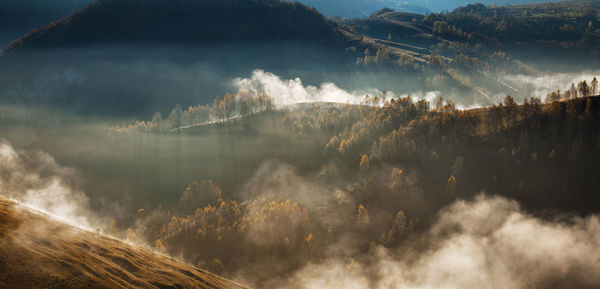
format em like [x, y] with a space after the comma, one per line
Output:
[182, 22]
[566, 24]
[377, 174]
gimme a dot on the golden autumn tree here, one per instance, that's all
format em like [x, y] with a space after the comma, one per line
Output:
[159, 246]
[364, 162]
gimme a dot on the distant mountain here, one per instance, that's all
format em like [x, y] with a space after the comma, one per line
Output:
[362, 8]
[17, 17]
[181, 21]
[413, 9]
[441, 5]
[40, 252]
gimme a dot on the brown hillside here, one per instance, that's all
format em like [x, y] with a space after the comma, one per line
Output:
[38, 252]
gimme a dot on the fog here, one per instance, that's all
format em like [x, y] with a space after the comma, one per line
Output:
[35, 179]
[477, 243]
[541, 85]
[119, 166]
[138, 81]
[263, 160]
[473, 243]
[65, 155]
[293, 91]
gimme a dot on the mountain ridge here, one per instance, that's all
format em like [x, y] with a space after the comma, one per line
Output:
[181, 21]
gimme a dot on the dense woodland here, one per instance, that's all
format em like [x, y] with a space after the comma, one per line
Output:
[564, 24]
[387, 169]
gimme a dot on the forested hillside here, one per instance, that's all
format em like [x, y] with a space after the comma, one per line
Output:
[376, 173]
[566, 24]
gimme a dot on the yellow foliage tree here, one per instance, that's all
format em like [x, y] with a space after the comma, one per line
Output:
[159, 246]
[372, 247]
[364, 162]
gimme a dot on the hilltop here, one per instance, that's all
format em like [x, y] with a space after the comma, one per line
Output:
[182, 22]
[40, 252]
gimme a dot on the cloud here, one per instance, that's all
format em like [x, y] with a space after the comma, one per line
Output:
[291, 91]
[489, 242]
[541, 85]
[36, 180]
[273, 181]
[273, 177]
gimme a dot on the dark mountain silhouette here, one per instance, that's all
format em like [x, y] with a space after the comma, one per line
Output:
[17, 17]
[181, 21]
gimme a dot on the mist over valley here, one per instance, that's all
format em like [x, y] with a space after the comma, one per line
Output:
[356, 144]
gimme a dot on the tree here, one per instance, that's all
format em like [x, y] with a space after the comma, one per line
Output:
[364, 162]
[583, 89]
[439, 103]
[594, 86]
[555, 96]
[440, 27]
[509, 101]
[573, 90]
[372, 247]
[175, 117]
[159, 246]
[157, 122]
[363, 215]
[588, 107]
[451, 187]
[367, 52]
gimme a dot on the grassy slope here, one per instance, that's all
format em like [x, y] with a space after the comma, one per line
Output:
[38, 252]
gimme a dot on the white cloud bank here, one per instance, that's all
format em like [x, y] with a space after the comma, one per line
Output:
[291, 91]
[540, 86]
[485, 243]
